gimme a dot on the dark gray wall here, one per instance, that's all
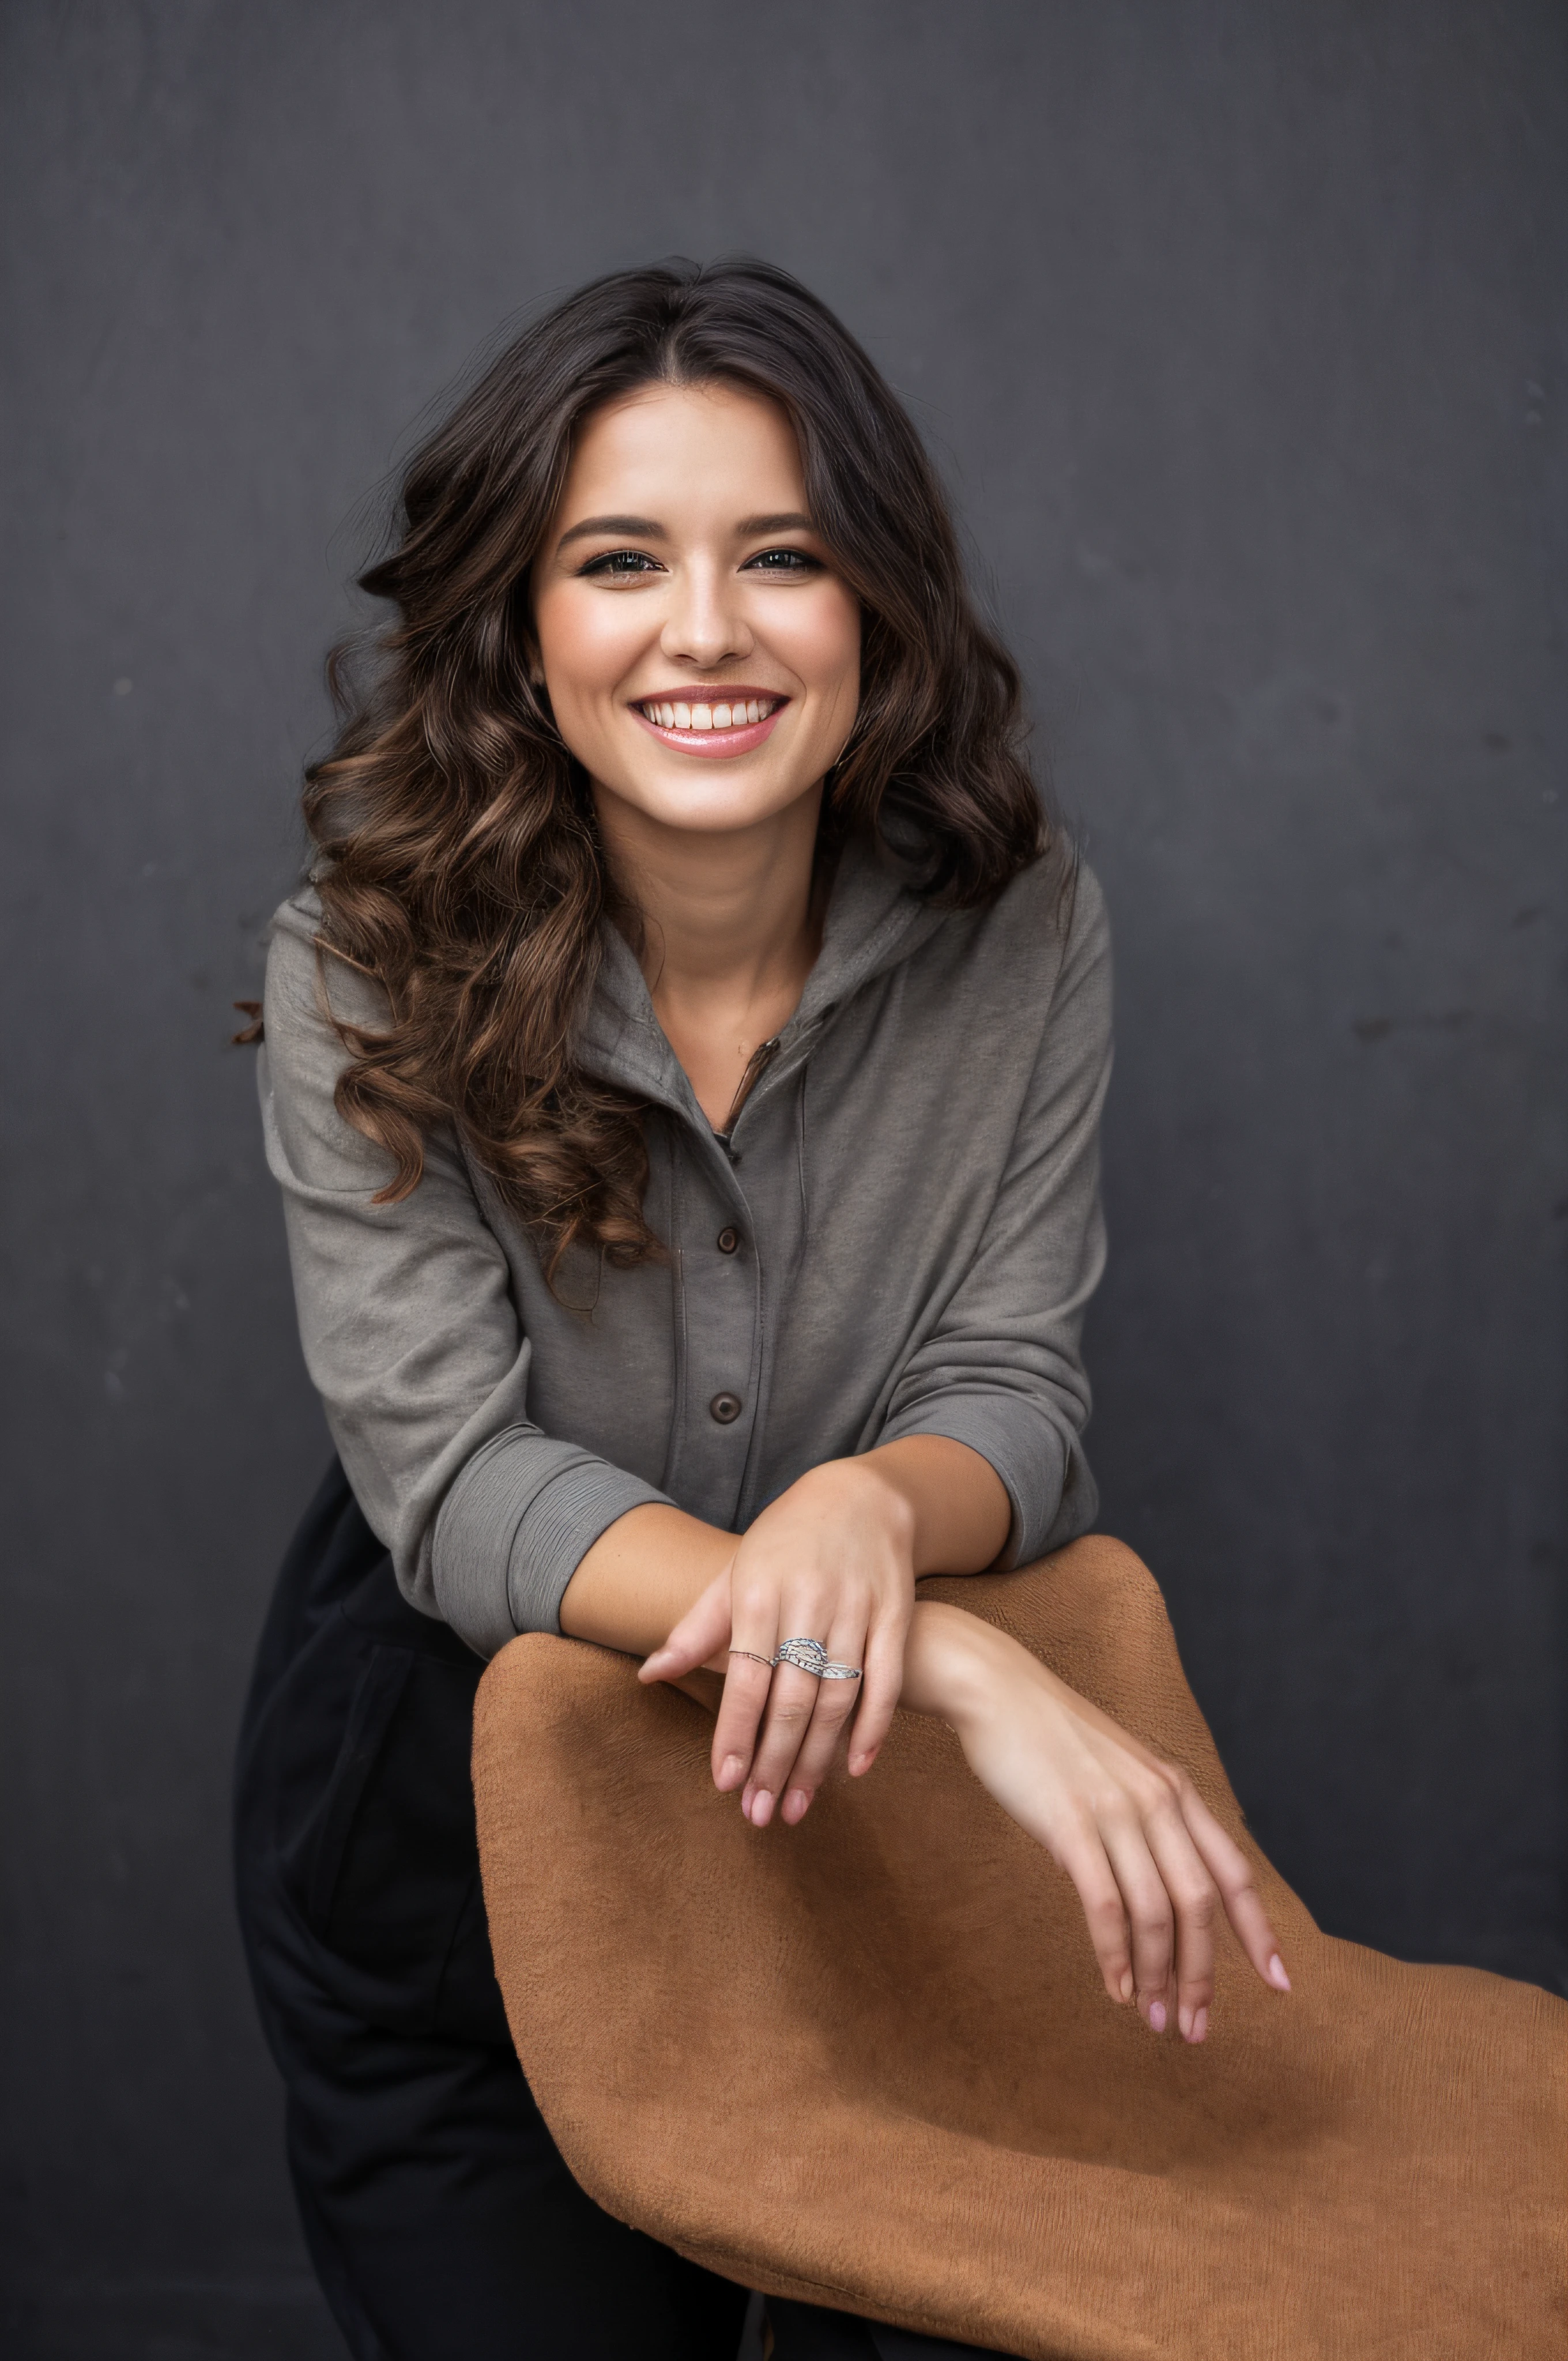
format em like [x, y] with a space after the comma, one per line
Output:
[1238, 330]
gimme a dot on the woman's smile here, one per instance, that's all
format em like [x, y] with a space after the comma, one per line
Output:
[715, 722]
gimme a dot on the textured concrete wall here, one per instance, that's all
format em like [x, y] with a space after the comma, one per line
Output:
[1237, 329]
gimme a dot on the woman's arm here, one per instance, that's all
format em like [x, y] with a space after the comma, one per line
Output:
[1152, 1865]
[412, 1335]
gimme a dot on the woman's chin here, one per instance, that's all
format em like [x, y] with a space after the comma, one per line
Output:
[709, 800]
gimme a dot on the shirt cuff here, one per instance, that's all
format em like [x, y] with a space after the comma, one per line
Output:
[1044, 1472]
[515, 1526]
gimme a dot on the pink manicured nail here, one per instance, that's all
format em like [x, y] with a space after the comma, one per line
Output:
[1157, 2016]
[1199, 2025]
[1277, 1975]
[729, 1771]
[795, 1805]
[762, 1809]
[1184, 2019]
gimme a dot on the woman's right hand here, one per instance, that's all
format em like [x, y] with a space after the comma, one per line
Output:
[1153, 1867]
[831, 1559]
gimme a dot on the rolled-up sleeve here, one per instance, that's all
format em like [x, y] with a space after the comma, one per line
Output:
[1001, 1369]
[411, 1336]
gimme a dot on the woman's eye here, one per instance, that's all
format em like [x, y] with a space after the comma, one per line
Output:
[620, 563]
[783, 561]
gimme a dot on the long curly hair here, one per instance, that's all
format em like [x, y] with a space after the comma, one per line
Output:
[458, 861]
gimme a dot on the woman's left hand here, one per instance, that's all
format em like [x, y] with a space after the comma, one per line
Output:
[1155, 1870]
[831, 1559]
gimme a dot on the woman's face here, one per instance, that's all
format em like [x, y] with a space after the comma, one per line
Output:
[700, 650]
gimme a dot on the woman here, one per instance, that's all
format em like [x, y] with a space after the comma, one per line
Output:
[683, 1073]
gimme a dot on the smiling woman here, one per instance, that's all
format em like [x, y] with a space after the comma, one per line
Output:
[684, 1070]
[456, 866]
[727, 636]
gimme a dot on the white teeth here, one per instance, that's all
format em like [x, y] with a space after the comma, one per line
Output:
[737, 715]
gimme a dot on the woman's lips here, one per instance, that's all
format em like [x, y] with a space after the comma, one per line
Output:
[734, 738]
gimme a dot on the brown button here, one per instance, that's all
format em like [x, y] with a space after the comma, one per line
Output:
[728, 1241]
[725, 1408]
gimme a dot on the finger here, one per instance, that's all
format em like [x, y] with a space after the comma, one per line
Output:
[1234, 1876]
[1151, 1920]
[1083, 1856]
[1196, 1902]
[791, 1702]
[879, 1688]
[748, 1683]
[740, 1710]
[831, 1716]
[699, 1635]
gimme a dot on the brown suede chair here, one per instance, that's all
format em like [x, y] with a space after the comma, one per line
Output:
[868, 2062]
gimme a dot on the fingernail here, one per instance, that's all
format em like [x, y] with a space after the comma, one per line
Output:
[1184, 2019]
[1277, 1975]
[1199, 2024]
[795, 1805]
[762, 1809]
[747, 1795]
[1127, 1985]
[729, 1771]
[1157, 2016]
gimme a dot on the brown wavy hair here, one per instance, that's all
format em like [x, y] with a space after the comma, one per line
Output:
[458, 859]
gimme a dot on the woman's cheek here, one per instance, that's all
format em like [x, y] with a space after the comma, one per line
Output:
[837, 655]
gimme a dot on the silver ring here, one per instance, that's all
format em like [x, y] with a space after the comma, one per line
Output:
[751, 1653]
[811, 1656]
[805, 1655]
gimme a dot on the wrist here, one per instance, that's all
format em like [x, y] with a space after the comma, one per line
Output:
[864, 1487]
[953, 1663]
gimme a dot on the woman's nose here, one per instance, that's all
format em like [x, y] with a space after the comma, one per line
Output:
[705, 623]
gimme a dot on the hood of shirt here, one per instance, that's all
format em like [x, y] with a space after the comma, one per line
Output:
[872, 923]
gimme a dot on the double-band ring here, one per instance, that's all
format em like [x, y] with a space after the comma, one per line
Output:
[807, 1657]
[811, 1656]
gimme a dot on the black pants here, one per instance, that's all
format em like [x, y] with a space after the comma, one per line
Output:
[441, 2219]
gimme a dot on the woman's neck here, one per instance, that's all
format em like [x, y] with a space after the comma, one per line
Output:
[729, 933]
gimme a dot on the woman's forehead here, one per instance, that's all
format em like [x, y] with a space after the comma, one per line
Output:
[674, 443]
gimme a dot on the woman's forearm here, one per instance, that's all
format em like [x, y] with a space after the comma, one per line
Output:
[951, 1661]
[648, 1570]
[959, 1503]
[640, 1576]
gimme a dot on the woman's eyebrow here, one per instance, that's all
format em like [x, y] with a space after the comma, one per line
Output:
[649, 529]
[642, 528]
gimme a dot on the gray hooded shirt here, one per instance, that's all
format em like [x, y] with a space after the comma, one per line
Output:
[898, 1237]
